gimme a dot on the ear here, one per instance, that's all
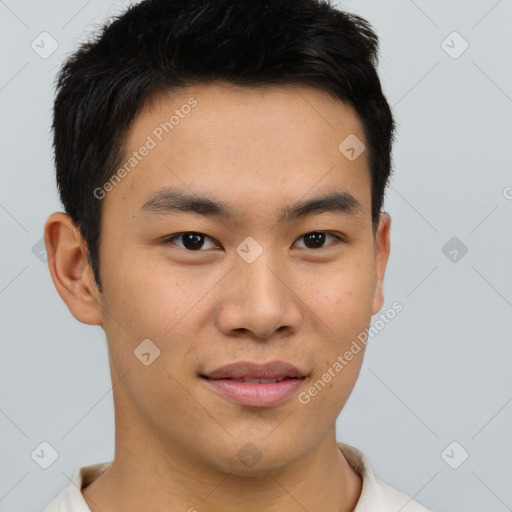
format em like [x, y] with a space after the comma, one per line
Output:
[71, 274]
[381, 247]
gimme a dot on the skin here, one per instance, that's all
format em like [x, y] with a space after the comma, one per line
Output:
[257, 149]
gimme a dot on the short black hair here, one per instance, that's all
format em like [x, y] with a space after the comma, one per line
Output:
[162, 45]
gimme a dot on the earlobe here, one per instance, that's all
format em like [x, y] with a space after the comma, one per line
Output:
[69, 269]
[382, 249]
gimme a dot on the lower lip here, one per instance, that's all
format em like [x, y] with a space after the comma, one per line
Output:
[254, 394]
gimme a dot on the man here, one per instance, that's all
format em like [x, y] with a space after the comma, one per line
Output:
[222, 164]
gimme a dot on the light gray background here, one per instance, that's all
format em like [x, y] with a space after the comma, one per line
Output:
[439, 372]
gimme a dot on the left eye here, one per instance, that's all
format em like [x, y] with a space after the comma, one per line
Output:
[194, 241]
[317, 238]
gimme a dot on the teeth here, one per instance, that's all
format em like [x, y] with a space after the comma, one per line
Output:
[260, 381]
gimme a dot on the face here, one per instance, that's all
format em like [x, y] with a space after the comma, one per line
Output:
[276, 261]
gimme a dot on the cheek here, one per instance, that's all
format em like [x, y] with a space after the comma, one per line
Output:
[141, 302]
[147, 304]
[159, 302]
[343, 297]
[343, 301]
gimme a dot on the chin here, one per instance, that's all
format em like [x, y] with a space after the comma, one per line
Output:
[251, 461]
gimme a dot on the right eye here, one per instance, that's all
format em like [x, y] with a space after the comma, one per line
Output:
[191, 240]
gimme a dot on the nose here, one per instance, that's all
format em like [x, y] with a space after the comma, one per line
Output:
[259, 299]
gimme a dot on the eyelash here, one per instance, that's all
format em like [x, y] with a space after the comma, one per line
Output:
[169, 239]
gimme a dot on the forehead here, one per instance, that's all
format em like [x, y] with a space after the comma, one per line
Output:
[256, 147]
[250, 110]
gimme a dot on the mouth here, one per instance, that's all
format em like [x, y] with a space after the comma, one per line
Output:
[254, 385]
[255, 381]
[246, 370]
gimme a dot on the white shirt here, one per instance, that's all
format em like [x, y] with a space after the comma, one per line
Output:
[376, 495]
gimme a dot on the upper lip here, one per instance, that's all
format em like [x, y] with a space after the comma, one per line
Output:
[246, 369]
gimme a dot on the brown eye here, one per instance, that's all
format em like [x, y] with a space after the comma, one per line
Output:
[316, 239]
[191, 240]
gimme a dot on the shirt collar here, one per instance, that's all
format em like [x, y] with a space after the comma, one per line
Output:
[361, 465]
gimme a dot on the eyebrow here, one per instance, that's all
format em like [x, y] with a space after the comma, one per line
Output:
[168, 201]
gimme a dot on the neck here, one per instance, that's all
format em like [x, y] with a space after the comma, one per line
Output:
[147, 477]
